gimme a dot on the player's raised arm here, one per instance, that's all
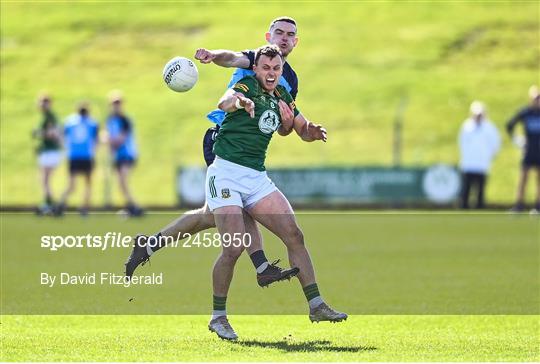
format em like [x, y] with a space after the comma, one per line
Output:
[232, 101]
[308, 131]
[222, 57]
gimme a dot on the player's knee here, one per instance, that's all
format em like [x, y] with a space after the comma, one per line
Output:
[231, 254]
[208, 220]
[295, 236]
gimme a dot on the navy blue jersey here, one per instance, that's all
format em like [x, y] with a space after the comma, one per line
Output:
[530, 117]
[117, 125]
[288, 79]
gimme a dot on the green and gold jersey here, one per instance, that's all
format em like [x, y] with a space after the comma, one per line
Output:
[244, 140]
[46, 143]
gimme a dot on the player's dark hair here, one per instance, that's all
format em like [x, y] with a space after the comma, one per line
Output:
[83, 108]
[44, 98]
[271, 51]
[286, 19]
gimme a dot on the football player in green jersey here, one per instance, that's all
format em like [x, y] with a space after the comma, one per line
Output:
[282, 32]
[237, 182]
[49, 150]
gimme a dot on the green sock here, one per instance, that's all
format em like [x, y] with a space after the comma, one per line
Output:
[311, 291]
[220, 303]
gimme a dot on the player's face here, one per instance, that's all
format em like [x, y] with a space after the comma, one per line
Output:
[268, 71]
[45, 104]
[117, 106]
[283, 34]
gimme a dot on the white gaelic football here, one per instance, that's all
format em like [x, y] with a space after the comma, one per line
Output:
[180, 74]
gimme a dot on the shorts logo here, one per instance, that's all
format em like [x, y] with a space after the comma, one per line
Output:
[225, 193]
[268, 122]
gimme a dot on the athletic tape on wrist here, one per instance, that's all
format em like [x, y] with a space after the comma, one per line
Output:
[237, 104]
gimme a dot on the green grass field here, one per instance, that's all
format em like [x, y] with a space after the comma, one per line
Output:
[418, 287]
[355, 61]
[270, 338]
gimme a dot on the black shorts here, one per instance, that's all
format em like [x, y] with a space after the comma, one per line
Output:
[208, 144]
[531, 160]
[81, 166]
[124, 162]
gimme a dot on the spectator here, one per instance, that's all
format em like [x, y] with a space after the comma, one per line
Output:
[80, 139]
[123, 148]
[479, 142]
[49, 150]
[530, 117]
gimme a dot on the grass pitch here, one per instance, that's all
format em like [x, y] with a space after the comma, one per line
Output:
[270, 338]
[419, 287]
[365, 264]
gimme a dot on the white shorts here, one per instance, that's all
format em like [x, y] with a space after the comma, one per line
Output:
[230, 184]
[49, 158]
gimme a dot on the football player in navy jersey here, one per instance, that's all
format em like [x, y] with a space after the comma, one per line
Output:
[282, 32]
[529, 116]
[123, 148]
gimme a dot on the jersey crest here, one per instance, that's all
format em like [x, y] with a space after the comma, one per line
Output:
[268, 122]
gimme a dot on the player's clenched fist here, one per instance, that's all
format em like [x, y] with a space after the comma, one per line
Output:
[204, 55]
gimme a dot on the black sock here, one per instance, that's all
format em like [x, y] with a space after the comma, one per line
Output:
[156, 242]
[258, 258]
[48, 200]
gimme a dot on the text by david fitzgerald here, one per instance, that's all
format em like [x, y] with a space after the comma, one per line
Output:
[102, 278]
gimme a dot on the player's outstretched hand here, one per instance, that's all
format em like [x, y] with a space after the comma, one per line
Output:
[319, 133]
[204, 55]
[248, 105]
[287, 115]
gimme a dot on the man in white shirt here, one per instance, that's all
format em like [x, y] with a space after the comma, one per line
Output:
[479, 142]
